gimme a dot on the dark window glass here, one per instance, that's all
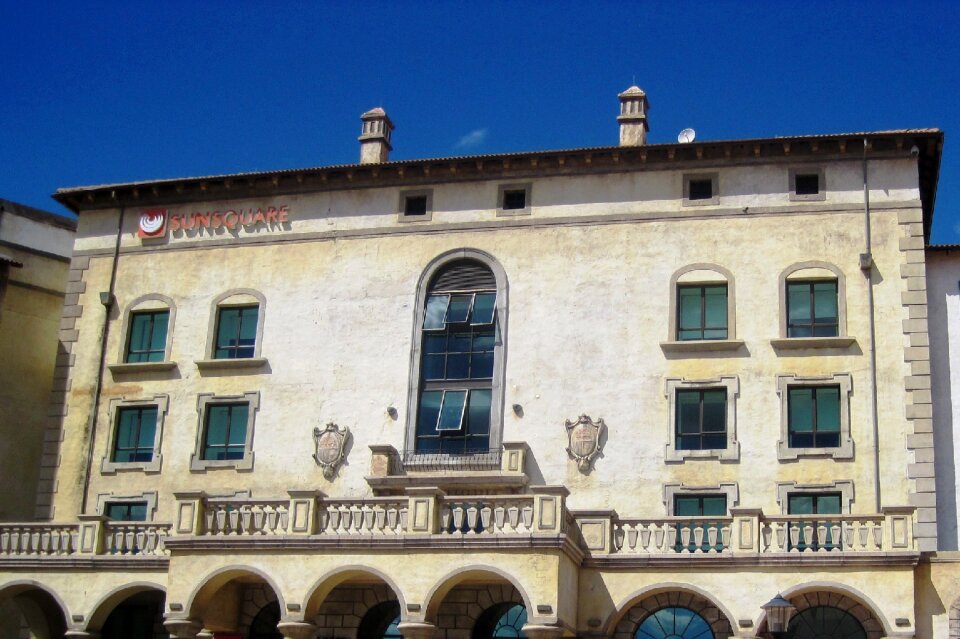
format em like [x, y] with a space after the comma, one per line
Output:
[126, 511]
[812, 309]
[699, 506]
[701, 419]
[415, 205]
[236, 332]
[814, 534]
[380, 622]
[501, 620]
[225, 431]
[813, 419]
[807, 184]
[147, 341]
[136, 431]
[515, 199]
[702, 312]
[264, 625]
[701, 189]
[674, 623]
[825, 621]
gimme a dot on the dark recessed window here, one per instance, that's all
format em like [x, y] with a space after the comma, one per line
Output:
[415, 205]
[819, 535]
[702, 312]
[701, 419]
[236, 332]
[813, 416]
[701, 189]
[136, 431]
[812, 309]
[225, 431]
[699, 506]
[807, 184]
[126, 511]
[147, 341]
[514, 199]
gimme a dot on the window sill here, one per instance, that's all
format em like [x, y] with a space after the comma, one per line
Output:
[111, 468]
[231, 364]
[800, 343]
[141, 367]
[729, 454]
[198, 465]
[844, 451]
[702, 345]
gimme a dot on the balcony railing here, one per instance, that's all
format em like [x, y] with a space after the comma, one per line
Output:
[673, 535]
[92, 536]
[49, 540]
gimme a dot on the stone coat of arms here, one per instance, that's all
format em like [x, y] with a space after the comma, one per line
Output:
[584, 440]
[331, 441]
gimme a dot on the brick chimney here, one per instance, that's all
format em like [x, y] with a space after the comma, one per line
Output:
[633, 117]
[375, 137]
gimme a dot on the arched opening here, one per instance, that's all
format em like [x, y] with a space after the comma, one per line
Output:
[381, 622]
[138, 616]
[501, 620]
[264, 623]
[673, 614]
[354, 604]
[31, 611]
[484, 602]
[238, 602]
[823, 614]
[674, 622]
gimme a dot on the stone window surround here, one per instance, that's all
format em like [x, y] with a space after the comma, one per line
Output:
[497, 386]
[732, 451]
[730, 489]
[225, 300]
[792, 272]
[401, 207]
[197, 463]
[107, 466]
[845, 449]
[103, 499]
[148, 302]
[792, 174]
[517, 186]
[725, 276]
[713, 177]
[787, 488]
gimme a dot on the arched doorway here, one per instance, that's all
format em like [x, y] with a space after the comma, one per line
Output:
[673, 614]
[139, 616]
[31, 609]
[238, 602]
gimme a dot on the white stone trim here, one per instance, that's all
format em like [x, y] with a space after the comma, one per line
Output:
[107, 465]
[844, 487]
[732, 451]
[204, 400]
[845, 449]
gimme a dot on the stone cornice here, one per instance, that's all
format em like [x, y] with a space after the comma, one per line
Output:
[732, 560]
[96, 562]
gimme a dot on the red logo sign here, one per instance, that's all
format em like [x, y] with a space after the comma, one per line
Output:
[153, 223]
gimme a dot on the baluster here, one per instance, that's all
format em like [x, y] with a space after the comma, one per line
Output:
[486, 517]
[645, 538]
[835, 535]
[35, 542]
[379, 518]
[367, 519]
[458, 517]
[404, 518]
[246, 519]
[794, 536]
[618, 536]
[658, 538]
[725, 533]
[356, 518]
[698, 531]
[862, 536]
[233, 519]
[259, 518]
[712, 537]
[392, 519]
[528, 516]
[822, 545]
[208, 515]
[513, 516]
[499, 516]
[221, 520]
[5, 542]
[684, 537]
[446, 515]
[472, 513]
[333, 515]
[632, 538]
[45, 542]
[877, 535]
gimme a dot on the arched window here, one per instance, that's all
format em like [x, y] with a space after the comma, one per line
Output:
[674, 623]
[501, 620]
[823, 622]
[264, 625]
[458, 357]
[381, 622]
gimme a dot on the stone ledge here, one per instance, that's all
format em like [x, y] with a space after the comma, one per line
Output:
[231, 364]
[706, 346]
[800, 343]
[140, 367]
[814, 560]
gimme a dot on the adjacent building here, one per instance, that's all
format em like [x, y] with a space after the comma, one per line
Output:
[627, 391]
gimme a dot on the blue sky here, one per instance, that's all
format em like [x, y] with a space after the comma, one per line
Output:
[98, 92]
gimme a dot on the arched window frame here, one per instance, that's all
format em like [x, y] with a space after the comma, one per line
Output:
[794, 273]
[237, 297]
[145, 303]
[682, 278]
[416, 352]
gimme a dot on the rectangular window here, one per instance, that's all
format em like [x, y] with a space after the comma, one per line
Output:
[225, 431]
[126, 511]
[514, 199]
[701, 189]
[813, 419]
[702, 312]
[415, 205]
[807, 183]
[236, 332]
[147, 341]
[812, 309]
[699, 506]
[454, 421]
[701, 419]
[476, 309]
[135, 435]
[815, 534]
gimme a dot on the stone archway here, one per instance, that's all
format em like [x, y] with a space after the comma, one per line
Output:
[872, 626]
[30, 607]
[638, 612]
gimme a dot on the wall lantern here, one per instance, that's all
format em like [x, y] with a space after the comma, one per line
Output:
[778, 611]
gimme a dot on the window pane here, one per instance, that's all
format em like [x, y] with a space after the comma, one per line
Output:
[436, 310]
[715, 333]
[801, 409]
[228, 327]
[800, 505]
[238, 425]
[715, 300]
[433, 367]
[127, 428]
[138, 511]
[825, 301]
[828, 504]
[714, 411]
[140, 332]
[688, 412]
[715, 506]
[159, 341]
[799, 302]
[478, 418]
[248, 325]
[828, 410]
[429, 412]
[459, 308]
[686, 506]
[218, 419]
[451, 412]
[148, 428]
[483, 341]
[690, 311]
[481, 366]
[435, 343]
[484, 306]
[458, 366]
[459, 343]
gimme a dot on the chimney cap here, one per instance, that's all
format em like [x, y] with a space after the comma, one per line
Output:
[633, 91]
[374, 112]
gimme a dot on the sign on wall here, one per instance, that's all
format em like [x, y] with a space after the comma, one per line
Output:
[155, 222]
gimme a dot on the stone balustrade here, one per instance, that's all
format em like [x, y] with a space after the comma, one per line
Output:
[673, 535]
[246, 517]
[507, 514]
[374, 516]
[39, 539]
[134, 538]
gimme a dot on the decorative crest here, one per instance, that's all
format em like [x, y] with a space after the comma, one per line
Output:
[584, 440]
[331, 441]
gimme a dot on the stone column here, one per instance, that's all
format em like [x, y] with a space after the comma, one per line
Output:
[416, 630]
[182, 628]
[537, 631]
[297, 629]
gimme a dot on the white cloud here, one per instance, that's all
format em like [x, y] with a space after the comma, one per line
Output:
[472, 139]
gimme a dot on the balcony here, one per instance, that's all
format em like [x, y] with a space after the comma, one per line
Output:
[92, 536]
[496, 470]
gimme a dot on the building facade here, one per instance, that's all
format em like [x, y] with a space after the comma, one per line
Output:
[630, 391]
